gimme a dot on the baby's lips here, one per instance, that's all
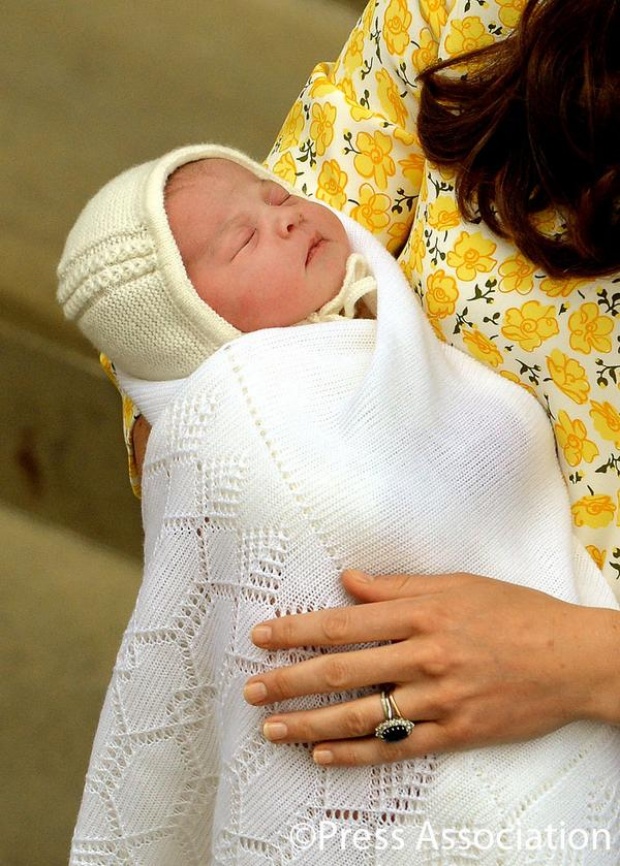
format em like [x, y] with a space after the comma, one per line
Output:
[315, 242]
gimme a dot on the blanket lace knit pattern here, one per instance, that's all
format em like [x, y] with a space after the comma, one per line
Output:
[289, 455]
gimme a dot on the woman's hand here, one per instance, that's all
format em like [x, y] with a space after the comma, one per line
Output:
[473, 661]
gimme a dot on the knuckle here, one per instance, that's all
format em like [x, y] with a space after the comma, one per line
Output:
[347, 754]
[336, 625]
[279, 686]
[443, 701]
[283, 631]
[335, 673]
[301, 729]
[424, 615]
[438, 616]
[355, 723]
[461, 733]
[406, 663]
[434, 662]
[446, 706]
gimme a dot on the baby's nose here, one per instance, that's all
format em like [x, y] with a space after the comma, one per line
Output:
[286, 219]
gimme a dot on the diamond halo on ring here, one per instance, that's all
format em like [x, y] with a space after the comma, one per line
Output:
[395, 727]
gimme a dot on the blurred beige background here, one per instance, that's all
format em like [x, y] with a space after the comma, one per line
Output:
[88, 88]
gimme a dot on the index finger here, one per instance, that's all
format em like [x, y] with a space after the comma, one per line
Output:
[366, 623]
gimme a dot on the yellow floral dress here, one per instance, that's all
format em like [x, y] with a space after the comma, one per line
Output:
[350, 140]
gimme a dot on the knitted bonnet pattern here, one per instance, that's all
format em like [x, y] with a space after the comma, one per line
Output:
[122, 280]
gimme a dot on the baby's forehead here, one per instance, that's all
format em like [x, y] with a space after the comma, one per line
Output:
[209, 170]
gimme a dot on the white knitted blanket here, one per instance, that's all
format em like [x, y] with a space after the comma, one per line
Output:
[288, 456]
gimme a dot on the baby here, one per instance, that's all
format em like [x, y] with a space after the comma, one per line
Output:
[176, 257]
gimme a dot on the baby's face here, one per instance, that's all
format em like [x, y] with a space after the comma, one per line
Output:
[258, 256]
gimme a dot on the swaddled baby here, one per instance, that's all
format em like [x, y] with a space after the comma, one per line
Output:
[291, 454]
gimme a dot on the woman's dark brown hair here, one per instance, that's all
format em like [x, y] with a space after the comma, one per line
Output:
[535, 123]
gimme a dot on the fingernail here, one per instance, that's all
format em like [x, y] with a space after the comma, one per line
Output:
[275, 730]
[261, 635]
[254, 693]
[322, 756]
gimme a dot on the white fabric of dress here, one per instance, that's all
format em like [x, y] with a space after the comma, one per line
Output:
[288, 456]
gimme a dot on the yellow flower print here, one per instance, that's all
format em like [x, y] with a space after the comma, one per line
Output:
[321, 83]
[446, 173]
[436, 326]
[347, 88]
[441, 294]
[396, 23]
[372, 210]
[472, 255]
[443, 213]
[517, 275]
[367, 17]
[332, 184]
[322, 126]
[292, 127]
[597, 554]
[130, 413]
[510, 11]
[390, 98]
[595, 511]
[417, 248]
[413, 168]
[108, 369]
[546, 221]
[590, 329]
[354, 54]
[435, 14]
[406, 137]
[358, 112]
[607, 421]
[398, 235]
[467, 34]
[557, 288]
[512, 377]
[285, 168]
[424, 187]
[405, 266]
[426, 54]
[479, 345]
[573, 440]
[569, 376]
[530, 325]
[374, 159]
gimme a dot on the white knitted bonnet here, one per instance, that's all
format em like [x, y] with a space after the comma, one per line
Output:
[122, 280]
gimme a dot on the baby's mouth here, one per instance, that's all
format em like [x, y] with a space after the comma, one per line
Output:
[313, 248]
